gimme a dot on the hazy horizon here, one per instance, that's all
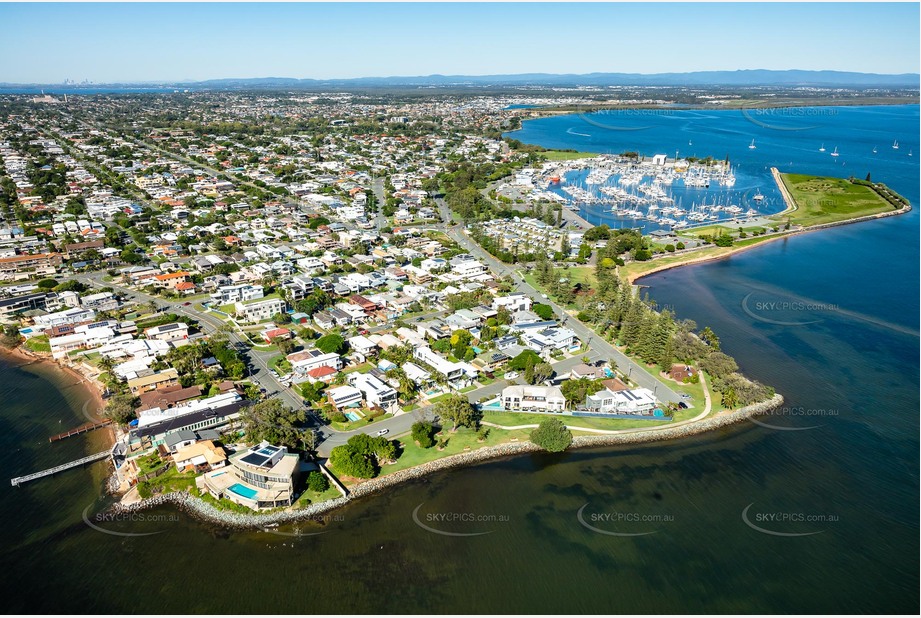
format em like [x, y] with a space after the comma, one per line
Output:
[150, 43]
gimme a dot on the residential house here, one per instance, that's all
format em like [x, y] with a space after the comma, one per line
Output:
[375, 391]
[160, 379]
[259, 310]
[523, 398]
[262, 477]
[168, 332]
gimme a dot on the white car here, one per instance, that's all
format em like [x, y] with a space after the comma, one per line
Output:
[511, 375]
[544, 296]
[383, 432]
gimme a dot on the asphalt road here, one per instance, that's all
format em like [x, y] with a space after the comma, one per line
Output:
[601, 347]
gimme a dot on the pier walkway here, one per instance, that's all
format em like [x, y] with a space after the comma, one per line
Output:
[19, 480]
[79, 430]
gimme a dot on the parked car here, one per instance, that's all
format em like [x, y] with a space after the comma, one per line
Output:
[186, 304]
[511, 375]
[383, 432]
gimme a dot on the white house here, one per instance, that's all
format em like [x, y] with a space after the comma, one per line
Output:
[513, 302]
[523, 398]
[259, 310]
[376, 393]
[227, 294]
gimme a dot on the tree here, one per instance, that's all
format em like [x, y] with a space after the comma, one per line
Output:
[120, 408]
[544, 311]
[539, 372]
[273, 421]
[47, 284]
[718, 365]
[317, 482]
[525, 359]
[312, 391]
[281, 318]
[460, 342]
[575, 391]
[423, 432]
[552, 435]
[345, 460]
[331, 343]
[457, 410]
[730, 400]
[710, 338]
[285, 346]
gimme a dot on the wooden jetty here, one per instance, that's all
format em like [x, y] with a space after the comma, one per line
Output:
[78, 430]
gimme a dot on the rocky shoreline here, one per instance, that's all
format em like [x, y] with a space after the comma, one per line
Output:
[203, 510]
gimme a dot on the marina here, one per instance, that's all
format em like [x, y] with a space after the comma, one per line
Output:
[657, 193]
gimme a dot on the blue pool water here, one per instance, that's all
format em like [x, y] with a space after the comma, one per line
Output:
[352, 416]
[243, 490]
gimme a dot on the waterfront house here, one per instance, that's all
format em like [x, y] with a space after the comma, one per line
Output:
[523, 398]
[261, 477]
[639, 401]
[200, 457]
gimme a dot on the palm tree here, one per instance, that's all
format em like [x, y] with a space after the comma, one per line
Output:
[106, 364]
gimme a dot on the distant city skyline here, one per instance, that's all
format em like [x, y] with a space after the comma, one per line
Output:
[109, 43]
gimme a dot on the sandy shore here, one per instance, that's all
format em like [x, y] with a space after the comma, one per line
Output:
[93, 388]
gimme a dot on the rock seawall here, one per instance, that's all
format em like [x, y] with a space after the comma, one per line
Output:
[208, 512]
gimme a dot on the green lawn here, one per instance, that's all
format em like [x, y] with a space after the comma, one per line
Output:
[512, 419]
[824, 200]
[280, 364]
[559, 155]
[311, 497]
[413, 455]
[38, 344]
[173, 480]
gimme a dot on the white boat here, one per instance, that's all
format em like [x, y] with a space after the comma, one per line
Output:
[909, 153]
[874, 150]
[757, 197]
[895, 145]
[822, 148]
[835, 153]
[752, 145]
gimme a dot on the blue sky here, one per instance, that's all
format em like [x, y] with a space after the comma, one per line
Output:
[149, 42]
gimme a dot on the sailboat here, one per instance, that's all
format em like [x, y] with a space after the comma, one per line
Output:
[689, 143]
[895, 145]
[752, 145]
[874, 150]
[822, 148]
[909, 153]
[835, 153]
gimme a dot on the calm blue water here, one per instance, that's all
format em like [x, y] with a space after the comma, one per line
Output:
[788, 139]
[847, 475]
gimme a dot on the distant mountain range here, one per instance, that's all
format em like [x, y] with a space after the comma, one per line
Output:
[741, 78]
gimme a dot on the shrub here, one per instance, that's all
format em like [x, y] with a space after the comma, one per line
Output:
[317, 482]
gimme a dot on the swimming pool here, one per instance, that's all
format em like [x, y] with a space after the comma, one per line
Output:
[352, 416]
[243, 491]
